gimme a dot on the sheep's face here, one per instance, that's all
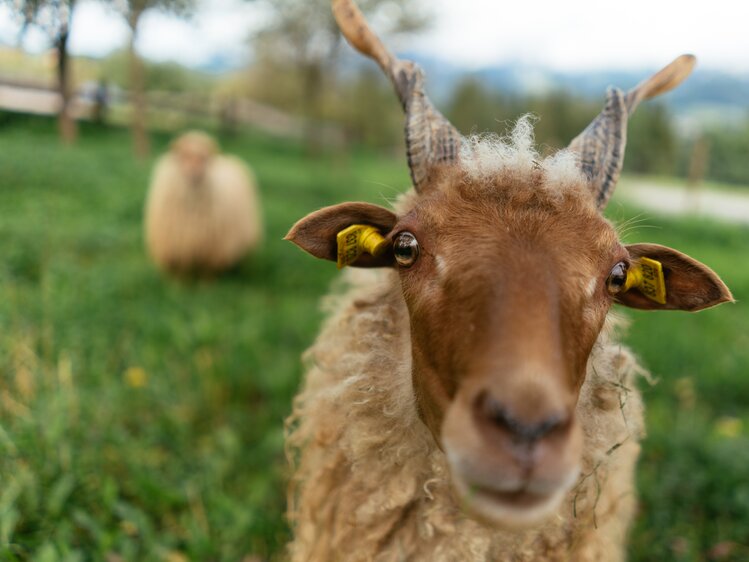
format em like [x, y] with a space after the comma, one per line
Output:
[507, 288]
[506, 298]
[193, 152]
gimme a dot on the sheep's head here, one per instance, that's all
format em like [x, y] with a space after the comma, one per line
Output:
[194, 151]
[508, 270]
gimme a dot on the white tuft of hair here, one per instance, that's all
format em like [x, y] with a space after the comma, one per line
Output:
[486, 155]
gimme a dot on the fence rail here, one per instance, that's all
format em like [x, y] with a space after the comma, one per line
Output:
[167, 110]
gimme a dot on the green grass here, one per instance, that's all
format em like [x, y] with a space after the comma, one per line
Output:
[192, 462]
[694, 472]
[190, 465]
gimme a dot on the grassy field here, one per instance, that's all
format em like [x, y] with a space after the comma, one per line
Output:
[141, 418]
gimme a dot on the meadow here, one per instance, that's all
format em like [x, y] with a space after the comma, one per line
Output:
[141, 417]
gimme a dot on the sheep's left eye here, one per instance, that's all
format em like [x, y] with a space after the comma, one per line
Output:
[617, 279]
[406, 249]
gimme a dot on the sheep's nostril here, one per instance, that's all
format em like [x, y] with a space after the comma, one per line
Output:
[493, 413]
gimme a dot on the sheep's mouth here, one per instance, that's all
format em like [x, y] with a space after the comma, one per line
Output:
[518, 499]
[526, 505]
[515, 509]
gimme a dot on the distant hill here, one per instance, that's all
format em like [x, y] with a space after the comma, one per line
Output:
[708, 96]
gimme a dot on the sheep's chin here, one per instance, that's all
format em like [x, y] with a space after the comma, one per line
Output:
[515, 510]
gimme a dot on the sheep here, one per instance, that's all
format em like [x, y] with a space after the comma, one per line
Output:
[202, 211]
[466, 399]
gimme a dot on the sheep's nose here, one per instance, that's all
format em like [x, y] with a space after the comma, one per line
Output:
[499, 421]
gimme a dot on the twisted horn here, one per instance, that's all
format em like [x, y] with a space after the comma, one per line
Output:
[430, 138]
[601, 145]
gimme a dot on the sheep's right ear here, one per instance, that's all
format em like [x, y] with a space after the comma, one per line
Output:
[317, 233]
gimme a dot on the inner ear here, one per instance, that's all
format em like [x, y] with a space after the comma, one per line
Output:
[316, 233]
[690, 285]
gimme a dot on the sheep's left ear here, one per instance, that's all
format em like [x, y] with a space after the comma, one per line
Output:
[317, 233]
[689, 284]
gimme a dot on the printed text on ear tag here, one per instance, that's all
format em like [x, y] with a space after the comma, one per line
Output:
[646, 276]
[357, 239]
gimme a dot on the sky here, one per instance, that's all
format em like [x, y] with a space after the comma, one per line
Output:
[568, 36]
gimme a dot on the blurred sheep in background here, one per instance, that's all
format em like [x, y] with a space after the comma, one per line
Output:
[202, 213]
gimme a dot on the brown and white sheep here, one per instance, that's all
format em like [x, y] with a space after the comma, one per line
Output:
[202, 212]
[466, 399]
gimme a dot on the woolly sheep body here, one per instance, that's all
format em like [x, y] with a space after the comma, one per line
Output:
[371, 483]
[207, 225]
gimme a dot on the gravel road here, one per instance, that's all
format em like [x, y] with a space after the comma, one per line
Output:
[724, 205]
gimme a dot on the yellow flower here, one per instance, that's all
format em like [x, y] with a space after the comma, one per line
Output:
[135, 377]
[175, 556]
[728, 427]
[129, 528]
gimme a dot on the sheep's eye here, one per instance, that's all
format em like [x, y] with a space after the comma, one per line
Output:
[617, 278]
[406, 249]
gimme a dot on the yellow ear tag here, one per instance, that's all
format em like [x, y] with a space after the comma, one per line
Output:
[357, 239]
[646, 276]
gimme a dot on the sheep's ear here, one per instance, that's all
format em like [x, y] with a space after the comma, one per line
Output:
[317, 233]
[688, 284]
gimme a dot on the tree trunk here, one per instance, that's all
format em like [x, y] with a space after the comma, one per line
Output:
[141, 144]
[228, 117]
[312, 83]
[67, 124]
[698, 165]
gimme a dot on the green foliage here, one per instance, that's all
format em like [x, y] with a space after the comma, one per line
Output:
[141, 416]
[728, 150]
[296, 52]
[651, 145]
[473, 108]
[304, 32]
[561, 117]
[651, 141]
[52, 16]
[370, 112]
[160, 76]
[132, 10]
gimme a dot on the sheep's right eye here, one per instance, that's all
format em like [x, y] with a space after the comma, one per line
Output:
[617, 279]
[405, 249]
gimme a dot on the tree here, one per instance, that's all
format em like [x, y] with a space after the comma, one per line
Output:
[651, 142]
[303, 35]
[54, 17]
[132, 11]
[728, 149]
[370, 112]
[474, 108]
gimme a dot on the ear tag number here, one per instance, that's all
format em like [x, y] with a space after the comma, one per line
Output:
[357, 239]
[646, 276]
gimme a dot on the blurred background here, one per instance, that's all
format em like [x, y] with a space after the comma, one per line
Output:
[141, 417]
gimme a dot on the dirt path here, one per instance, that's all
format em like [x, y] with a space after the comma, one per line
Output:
[724, 205]
[30, 100]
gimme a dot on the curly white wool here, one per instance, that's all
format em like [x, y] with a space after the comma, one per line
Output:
[489, 154]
